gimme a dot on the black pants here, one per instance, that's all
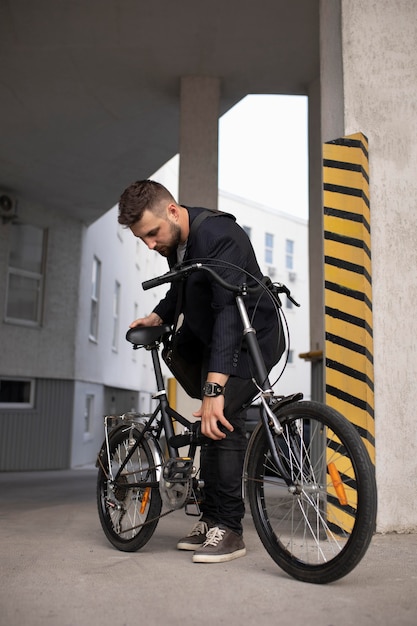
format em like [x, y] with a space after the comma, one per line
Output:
[222, 461]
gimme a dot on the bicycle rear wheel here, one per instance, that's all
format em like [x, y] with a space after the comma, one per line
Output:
[128, 510]
[319, 527]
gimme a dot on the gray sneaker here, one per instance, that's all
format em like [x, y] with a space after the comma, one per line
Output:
[196, 537]
[221, 545]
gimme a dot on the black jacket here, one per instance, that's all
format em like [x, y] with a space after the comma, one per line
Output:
[211, 320]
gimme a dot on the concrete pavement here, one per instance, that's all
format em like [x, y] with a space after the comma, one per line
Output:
[57, 568]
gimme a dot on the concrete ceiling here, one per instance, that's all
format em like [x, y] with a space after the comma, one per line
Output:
[89, 89]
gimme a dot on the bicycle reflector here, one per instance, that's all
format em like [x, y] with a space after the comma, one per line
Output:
[337, 484]
[145, 500]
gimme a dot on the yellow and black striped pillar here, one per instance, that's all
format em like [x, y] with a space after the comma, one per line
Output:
[348, 284]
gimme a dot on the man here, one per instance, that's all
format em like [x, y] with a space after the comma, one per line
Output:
[211, 339]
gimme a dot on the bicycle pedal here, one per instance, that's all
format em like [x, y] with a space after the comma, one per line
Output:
[178, 470]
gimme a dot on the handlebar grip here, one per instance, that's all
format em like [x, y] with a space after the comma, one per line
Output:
[170, 277]
[158, 280]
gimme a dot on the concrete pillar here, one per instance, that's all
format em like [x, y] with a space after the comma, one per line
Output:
[331, 71]
[325, 111]
[315, 234]
[198, 178]
[380, 94]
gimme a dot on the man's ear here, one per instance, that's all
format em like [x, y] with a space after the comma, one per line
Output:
[173, 212]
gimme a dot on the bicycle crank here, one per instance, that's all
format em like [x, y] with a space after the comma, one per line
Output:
[176, 481]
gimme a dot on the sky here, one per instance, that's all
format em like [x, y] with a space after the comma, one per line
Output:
[263, 152]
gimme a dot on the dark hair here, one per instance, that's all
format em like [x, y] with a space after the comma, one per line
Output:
[142, 195]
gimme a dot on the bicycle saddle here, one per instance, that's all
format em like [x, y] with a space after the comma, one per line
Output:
[146, 335]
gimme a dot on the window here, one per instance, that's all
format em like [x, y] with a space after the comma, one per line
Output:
[116, 307]
[290, 357]
[88, 415]
[17, 393]
[25, 275]
[95, 295]
[269, 248]
[289, 254]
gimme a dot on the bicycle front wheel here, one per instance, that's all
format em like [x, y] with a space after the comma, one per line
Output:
[318, 527]
[128, 496]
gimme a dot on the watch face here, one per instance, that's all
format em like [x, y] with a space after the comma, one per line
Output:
[212, 390]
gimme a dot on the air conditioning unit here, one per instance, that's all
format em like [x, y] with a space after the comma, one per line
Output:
[8, 206]
[271, 271]
[292, 276]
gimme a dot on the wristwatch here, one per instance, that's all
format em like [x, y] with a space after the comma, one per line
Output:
[212, 390]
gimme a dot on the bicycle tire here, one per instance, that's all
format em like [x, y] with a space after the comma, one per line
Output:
[128, 515]
[318, 528]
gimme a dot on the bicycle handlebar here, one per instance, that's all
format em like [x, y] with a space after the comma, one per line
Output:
[181, 273]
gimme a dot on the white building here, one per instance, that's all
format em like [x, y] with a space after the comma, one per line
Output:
[111, 377]
[280, 241]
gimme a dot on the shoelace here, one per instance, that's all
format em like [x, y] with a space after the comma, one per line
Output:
[199, 529]
[214, 535]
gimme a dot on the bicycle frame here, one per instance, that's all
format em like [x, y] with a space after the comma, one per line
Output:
[167, 414]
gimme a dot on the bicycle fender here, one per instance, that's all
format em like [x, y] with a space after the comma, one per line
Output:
[280, 402]
[153, 444]
[284, 400]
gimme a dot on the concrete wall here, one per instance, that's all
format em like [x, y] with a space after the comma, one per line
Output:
[380, 95]
[46, 350]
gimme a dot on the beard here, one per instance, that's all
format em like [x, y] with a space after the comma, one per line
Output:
[172, 245]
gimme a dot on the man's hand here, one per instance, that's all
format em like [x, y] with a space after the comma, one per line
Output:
[211, 413]
[150, 320]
